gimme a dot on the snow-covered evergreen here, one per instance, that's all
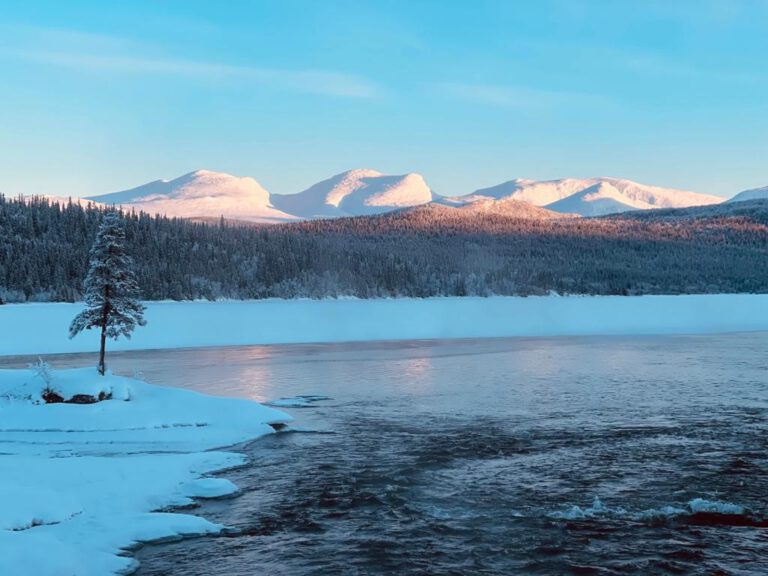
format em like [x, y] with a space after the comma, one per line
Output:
[111, 291]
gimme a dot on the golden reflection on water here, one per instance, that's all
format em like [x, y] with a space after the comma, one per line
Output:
[256, 381]
[419, 374]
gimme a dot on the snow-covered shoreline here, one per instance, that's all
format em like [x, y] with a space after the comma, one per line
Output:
[81, 483]
[42, 328]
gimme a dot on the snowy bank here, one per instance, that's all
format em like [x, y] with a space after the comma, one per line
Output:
[80, 483]
[42, 328]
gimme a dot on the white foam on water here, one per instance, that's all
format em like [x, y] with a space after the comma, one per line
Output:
[694, 506]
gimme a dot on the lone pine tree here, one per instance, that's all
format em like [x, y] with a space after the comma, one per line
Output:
[111, 291]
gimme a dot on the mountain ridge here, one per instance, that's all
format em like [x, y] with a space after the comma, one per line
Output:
[201, 193]
[751, 194]
[596, 196]
[364, 192]
[357, 192]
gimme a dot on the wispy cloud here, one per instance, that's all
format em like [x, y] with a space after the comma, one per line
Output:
[612, 59]
[517, 96]
[652, 65]
[105, 54]
[310, 81]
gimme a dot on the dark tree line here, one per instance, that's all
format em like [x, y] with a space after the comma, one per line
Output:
[428, 251]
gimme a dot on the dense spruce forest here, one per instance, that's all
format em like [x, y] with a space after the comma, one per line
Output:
[427, 251]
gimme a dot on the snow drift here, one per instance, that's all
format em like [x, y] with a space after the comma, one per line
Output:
[80, 483]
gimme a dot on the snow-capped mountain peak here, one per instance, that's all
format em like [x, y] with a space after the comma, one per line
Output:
[596, 200]
[355, 193]
[202, 193]
[752, 194]
[592, 196]
[539, 193]
[344, 184]
[360, 192]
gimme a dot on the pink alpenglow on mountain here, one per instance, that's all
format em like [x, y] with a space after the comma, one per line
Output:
[201, 194]
[593, 196]
[364, 192]
[357, 193]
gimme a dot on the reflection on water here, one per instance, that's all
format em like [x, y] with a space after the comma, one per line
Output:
[512, 456]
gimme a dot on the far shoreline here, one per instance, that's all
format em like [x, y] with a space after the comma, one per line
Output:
[41, 328]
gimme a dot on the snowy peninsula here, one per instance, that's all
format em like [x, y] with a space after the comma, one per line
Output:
[81, 483]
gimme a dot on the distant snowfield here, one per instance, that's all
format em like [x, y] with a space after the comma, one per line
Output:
[42, 328]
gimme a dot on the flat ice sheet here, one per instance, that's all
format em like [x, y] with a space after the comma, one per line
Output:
[42, 328]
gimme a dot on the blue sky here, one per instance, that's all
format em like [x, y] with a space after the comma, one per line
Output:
[101, 96]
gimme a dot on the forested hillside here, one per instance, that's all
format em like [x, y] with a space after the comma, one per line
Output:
[426, 251]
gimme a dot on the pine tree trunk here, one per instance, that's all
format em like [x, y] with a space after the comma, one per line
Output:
[104, 319]
[102, 367]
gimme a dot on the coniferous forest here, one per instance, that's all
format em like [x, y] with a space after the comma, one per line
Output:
[426, 251]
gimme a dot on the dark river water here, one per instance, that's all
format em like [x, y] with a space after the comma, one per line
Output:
[642, 455]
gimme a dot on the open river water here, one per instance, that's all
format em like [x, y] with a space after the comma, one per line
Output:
[593, 455]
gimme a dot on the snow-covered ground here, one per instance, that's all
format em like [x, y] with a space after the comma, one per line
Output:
[42, 328]
[79, 483]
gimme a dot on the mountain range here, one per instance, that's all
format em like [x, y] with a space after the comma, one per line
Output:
[363, 192]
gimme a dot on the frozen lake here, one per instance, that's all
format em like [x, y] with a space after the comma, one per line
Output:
[471, 456]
